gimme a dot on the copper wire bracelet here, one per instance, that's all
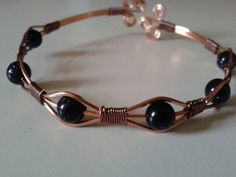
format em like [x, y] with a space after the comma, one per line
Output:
[75, 111]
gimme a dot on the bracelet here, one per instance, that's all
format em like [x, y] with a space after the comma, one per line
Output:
[160, 116]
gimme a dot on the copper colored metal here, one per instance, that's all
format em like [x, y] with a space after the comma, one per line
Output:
[113, 115]
[126, 115]
[36, 92]
[195, 107]
[50, 27]
[212, 46]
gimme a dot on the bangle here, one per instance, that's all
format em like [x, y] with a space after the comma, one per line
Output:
[160, 116]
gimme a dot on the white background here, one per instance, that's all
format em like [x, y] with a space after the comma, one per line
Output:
[112, 65]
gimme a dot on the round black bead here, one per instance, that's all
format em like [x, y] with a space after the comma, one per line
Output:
[70, 110]
[222, 96]
[223, 59]
[160, 115]
[33, 39]
[14, 73]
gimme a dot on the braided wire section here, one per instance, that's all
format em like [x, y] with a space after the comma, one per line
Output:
[195, 107]
[114, 115]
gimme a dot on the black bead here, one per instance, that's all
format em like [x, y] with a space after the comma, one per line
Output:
[222, 96]
[70, 110]
[33, 39]
[14, 73]
[160, 115]
[223, 59]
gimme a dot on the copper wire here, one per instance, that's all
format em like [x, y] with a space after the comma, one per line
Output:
[195, 107]
[113, 115]
[124, 116]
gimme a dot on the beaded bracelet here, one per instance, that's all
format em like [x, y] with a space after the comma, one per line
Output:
[75, 111]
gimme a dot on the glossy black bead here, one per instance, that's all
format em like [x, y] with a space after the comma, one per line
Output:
[14, 73]
[70, 110]
[223, 59]
[222, 96]
[160, 115]
[33, 39]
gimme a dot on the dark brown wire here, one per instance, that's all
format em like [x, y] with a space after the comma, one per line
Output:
[195, 107]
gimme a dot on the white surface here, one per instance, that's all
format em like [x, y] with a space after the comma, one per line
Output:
[112, 65]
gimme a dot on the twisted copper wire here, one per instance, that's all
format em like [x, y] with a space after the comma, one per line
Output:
[50, 27]
[113, 115]
[195, 107]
